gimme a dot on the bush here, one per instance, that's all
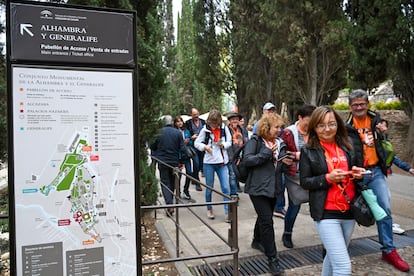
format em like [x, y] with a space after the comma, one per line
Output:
[395, 105]
[149, 184]
[340, 106]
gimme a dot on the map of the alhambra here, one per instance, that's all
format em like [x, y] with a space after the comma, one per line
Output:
[74, 172]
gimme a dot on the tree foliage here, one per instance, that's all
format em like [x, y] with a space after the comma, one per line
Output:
[185, 71]
[289, 51]
[383, 46]
[152, 74]
[3, 105]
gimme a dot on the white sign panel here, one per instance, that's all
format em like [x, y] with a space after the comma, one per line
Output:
[74, 172]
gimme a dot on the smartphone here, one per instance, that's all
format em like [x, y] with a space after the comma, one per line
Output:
[366, 172]
[285, 156]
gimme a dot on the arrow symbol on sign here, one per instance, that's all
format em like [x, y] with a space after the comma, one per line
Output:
[25, 28]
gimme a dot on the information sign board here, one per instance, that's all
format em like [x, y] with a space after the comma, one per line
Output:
[65, 34]
[73, 176]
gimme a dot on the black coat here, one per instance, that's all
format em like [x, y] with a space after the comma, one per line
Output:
[263, 179]
[313, 168]
[358, 144]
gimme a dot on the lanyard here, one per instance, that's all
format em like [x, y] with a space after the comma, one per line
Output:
[331, 166]
[328, 157]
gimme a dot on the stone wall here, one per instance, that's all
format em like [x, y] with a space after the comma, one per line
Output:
[398, 124]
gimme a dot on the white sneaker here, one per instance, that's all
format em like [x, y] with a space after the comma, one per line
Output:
[396, 229]
[210, 214]
[185, 196]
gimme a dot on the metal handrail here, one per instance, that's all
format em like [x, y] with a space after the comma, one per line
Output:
[232, 239]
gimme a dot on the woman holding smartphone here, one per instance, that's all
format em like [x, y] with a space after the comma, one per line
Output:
[327, 170]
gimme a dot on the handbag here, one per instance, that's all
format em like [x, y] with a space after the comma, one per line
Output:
[296, 192]
[191, 151]
[360, 210]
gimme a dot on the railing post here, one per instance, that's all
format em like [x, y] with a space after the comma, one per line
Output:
[233, 234]
[177, 182]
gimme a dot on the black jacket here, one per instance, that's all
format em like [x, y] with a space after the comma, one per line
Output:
[189, 125]
[358, 144]
[313, 168]
[263, 179]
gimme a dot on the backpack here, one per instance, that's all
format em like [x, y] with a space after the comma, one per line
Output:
[389, 152]
[222, 134]
[240, 169]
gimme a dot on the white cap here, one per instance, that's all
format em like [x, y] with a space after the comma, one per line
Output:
[268, 106]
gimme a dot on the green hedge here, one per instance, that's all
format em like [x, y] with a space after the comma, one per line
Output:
[376, 106]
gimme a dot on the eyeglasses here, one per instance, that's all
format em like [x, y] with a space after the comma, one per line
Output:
[355, 105]
[330, 125]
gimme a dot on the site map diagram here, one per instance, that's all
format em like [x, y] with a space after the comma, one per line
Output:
[74, 173]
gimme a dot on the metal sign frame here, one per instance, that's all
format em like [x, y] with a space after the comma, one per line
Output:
[73, 147]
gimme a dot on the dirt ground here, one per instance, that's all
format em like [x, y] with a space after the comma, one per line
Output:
[153, 249]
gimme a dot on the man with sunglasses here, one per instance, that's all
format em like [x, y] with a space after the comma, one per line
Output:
[364, 130]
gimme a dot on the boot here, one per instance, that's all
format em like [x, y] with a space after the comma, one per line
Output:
[287, 240]
[395, 259]
[274, 266]
[258, 246]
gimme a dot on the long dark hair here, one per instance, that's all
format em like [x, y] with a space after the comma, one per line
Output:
[177, 119]
[318, 115]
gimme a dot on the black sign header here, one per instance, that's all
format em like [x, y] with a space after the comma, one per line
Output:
[63, 34]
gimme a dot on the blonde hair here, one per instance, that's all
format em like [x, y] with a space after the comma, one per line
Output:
[264, 124]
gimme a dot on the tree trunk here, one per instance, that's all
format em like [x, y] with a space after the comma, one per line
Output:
[410, 141]
[314, 77]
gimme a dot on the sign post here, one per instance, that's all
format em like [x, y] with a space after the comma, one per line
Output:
[72, 181]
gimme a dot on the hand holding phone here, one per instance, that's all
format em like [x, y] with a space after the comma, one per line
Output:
[289, 156]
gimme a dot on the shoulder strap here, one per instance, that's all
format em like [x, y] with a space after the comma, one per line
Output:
[295, 133]
[207, 135]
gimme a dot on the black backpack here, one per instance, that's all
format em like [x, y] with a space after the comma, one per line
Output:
[240, 169]
[222, 134]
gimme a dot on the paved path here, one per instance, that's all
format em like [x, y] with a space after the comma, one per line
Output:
[304, 234]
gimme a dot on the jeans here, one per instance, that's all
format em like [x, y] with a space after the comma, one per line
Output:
[232, 180]
[167, 183]
[188, 171]
[292, 211]
[335, 235]
[376, 181]
[290, 217]
[280, 200]
[223, 175]
[197, 163]
[263, 228]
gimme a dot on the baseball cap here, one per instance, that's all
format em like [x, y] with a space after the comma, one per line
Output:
[268, 106]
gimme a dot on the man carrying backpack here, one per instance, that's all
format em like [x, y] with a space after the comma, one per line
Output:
[239, 136]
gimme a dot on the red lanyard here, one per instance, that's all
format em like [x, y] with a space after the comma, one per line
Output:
[328, 157]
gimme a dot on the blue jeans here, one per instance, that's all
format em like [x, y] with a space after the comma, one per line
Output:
[290, 217]
[189, 171]
[223, 175]
[376, 181]
[293, 210]
[280, 200]
[335, 235]
[197, 163]
[232, 179]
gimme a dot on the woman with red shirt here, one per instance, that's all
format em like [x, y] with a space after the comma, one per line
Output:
[327, 170]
